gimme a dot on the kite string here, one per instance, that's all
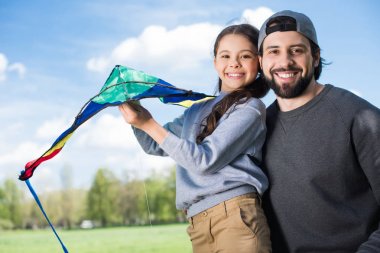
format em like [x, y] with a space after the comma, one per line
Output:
[146, 195]
[147, 204]
[44, 213]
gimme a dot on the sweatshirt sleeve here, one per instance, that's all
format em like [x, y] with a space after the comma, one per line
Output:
[235, 133]
[366, 139]
[149, 145]
[372, 245]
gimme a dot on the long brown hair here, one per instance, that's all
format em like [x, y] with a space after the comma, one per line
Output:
[258, 88]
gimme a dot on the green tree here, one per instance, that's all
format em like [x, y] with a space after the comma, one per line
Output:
[5, 222]
[11, 208]
[103, 197]
[68, 198]
[4, 213]
[161, 195]
[132, 203]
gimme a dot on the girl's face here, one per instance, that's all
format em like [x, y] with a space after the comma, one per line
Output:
[236, 62]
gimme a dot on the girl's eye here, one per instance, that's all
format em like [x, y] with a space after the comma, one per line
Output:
[225, 56]
[246, 56]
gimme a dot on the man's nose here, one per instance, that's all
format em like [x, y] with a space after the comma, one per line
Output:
[285, 60]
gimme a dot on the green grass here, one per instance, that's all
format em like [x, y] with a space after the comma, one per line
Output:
[155, 239]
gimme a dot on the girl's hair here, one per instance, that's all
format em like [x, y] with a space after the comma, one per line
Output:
[258, 88]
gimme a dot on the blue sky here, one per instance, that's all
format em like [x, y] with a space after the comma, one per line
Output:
[55, 55]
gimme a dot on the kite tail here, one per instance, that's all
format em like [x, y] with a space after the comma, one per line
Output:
[32, 165]
[43, 211]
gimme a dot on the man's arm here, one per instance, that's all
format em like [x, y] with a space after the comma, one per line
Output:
[366, 137]
[373, 243]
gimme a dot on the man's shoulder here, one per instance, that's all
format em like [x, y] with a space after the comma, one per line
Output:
[349, 107]
[340, 93]
[344, 98]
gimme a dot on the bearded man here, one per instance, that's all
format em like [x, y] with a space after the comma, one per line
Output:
[322, 153]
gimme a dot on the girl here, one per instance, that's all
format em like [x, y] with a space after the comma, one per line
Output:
[217, 146]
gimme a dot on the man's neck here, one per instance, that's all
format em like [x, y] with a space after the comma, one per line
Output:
[289, 104]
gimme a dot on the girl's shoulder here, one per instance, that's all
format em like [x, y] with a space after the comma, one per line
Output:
[253, 103]
[204, 104]
[199, 107]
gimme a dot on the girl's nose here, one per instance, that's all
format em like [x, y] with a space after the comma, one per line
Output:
[234, 63]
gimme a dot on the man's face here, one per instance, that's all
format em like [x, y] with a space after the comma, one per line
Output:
[287, 63]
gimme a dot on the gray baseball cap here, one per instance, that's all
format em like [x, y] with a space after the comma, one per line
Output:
[303, 25]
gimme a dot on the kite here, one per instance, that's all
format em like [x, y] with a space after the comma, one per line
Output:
[123, 84]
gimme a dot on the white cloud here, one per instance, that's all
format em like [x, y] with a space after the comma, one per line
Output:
[52, 128]
[98, 64]
[107, 131]
[182, 48]
[104, 131]
[46, 179]
[6, 67]
[3, 66]
[24, 152]
[109, 142]
[19, 68]
[256, 17]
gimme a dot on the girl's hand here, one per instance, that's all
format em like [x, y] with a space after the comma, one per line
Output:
[135, 114]
[139, 117]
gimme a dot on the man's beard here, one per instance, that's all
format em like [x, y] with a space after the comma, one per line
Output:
[286, 90]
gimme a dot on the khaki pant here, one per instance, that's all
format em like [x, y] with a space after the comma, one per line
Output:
[237, 225]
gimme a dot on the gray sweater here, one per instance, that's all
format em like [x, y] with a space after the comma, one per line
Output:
[219, 168]
[323, 163]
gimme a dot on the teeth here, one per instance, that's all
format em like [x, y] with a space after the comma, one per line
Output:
[285, 75]
[234, 74]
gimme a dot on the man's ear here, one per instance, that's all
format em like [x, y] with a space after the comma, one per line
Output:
[316, 59]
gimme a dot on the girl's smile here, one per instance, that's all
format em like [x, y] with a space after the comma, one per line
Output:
[236, 62]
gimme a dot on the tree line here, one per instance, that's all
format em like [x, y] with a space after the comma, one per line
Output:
[108, 202]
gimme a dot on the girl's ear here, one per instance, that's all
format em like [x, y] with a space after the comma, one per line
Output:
[260, 60]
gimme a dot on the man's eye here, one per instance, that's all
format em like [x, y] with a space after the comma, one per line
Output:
[225, 56]
[297, 51]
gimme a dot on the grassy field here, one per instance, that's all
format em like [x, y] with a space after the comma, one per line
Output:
[155, 239]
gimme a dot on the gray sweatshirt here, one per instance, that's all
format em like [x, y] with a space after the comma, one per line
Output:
[220, 167]
[323, 163]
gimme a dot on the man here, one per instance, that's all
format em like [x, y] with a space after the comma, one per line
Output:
[322, 153]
